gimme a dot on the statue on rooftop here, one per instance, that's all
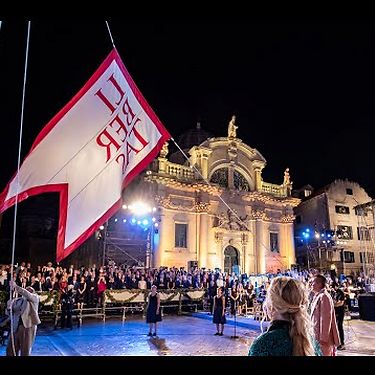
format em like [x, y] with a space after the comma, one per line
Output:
[232, 128]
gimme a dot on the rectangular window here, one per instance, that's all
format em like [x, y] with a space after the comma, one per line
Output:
[344, 232]
[349, 191]
[274, 242]
[342, 210]
[180, 235]
[298, 219]
[363, 234]
[362, 257]
[349, 257]
[370, 258]
[307, 193]
[360, 211]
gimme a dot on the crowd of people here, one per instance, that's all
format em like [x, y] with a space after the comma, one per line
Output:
[84, 286]
[284, 297]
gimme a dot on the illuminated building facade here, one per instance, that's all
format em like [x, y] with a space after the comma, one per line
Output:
[254, 236]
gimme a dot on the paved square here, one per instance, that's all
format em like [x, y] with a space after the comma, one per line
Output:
[177, 336]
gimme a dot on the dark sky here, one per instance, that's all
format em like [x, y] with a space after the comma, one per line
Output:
[304, 94]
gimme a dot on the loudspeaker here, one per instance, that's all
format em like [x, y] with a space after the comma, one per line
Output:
[366, 304]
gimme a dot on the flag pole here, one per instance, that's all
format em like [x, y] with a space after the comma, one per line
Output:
[18, 187]
[110, 34]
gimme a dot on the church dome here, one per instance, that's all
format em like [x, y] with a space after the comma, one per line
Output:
[192, 137]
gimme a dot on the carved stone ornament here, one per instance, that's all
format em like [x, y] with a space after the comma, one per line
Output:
[177, 204]
[258, 215]
[287, 218]
[231, 221]
[219, 237]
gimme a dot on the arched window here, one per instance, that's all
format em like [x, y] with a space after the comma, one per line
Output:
[220, 177]
[240, 182]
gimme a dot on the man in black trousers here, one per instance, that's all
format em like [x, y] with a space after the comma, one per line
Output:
[339, 303]
[67, 307]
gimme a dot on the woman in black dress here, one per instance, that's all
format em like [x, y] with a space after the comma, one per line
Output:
[81, 292]
[153, 310]
[219, 311]
[234, 299]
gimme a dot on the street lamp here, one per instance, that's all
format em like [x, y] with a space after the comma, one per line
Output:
[306, 236]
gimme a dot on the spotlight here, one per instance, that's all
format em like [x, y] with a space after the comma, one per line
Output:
[153, 220]
[101, 227]
[145, 222]
[139, 208]
[124, 206]
[156, 225]
[116, 220]
[139, 222]
[134, 221]
[124, 220]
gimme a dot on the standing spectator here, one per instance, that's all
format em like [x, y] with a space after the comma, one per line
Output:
[153, 310]
[339, 304]
[67, 306]
[323, 317]
[219, 311]
[142, 283]
[212, 291]
[81, 293]
[35, 284]
[102, 286]
[25, 320]
[233, 299]
[91, 288]
[290, 332]
[220, 281]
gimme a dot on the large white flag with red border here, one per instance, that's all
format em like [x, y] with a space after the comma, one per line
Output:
[93, 148]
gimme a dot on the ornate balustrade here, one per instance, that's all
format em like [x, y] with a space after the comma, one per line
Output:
[276, 190]
[179, 171]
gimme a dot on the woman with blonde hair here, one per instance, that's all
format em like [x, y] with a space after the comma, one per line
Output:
[290, 332]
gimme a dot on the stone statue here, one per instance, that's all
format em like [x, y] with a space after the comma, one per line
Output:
[232, 128]
[286, 177]
[164, 150]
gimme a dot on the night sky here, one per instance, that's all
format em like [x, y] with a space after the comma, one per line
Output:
[304, 94]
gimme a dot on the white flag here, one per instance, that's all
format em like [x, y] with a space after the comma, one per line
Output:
[93, 148]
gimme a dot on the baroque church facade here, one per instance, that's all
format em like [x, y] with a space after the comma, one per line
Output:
[216, 210]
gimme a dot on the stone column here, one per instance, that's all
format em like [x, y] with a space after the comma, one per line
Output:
[203, 239]
[286, 243]
[260, 248]
[205, 154]
[291, 249]
[258, 179]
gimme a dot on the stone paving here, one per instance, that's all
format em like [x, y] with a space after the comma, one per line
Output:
[177, 336]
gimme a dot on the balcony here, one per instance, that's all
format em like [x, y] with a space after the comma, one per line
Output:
[273, 189]
[180, 172]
